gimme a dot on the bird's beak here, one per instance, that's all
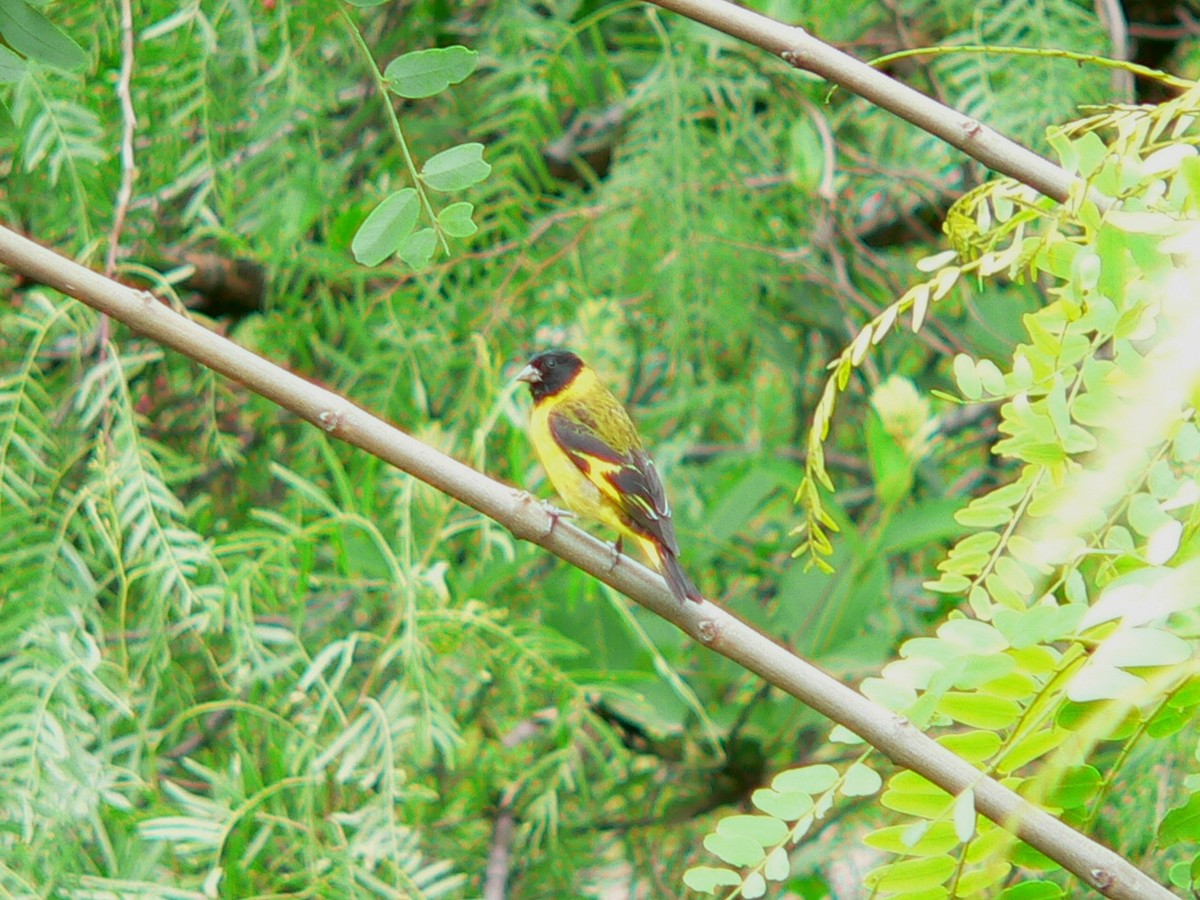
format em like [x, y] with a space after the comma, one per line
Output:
[529, 375]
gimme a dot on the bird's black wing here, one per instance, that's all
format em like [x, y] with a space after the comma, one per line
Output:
[628, 479]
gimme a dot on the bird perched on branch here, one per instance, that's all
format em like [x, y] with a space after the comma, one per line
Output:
[596, 462]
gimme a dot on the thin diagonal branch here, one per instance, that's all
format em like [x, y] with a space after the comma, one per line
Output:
[128, 128]
[712, 626]
[1112, 17]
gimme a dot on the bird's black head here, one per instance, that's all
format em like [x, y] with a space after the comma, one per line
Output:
[550, 371]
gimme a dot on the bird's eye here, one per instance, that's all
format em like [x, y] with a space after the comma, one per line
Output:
[551, 363]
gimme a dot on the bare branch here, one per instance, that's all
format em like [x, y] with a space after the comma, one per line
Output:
[1112, 17]
[128, 127]
[128, 169]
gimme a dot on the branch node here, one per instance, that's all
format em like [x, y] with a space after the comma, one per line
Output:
[329, 420]
[707, 631]
[1102, 879]
[527, 526]
[971, 128]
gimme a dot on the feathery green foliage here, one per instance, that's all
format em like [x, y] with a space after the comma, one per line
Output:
[1074, 669]
[240, 659]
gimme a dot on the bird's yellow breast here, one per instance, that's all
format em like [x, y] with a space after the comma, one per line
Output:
[577, 491]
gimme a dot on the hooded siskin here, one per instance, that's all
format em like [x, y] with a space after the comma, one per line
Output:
[596, 462]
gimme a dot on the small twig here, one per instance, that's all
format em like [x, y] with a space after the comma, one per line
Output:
[495, 885]
[128, 168]
[128, 129]
[825, 190]
[1112, 17]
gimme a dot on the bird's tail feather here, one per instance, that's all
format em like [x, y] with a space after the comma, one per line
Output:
[681, 586]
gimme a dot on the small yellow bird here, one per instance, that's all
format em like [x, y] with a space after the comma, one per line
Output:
[596, 462]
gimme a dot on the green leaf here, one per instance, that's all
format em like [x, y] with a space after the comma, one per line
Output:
[840, 734]
[178, 830]
[456, 221]
[1145, 514]
[1028, 858]
[1099, 682]
[786, 805]
[1011, 685]
[386, 227]
[975, 882]
[915, 795]
[1012, 574]
[979, 710]
[891, 465]
[1075, 716]
[754, 887]
[12, 67]
[456, 168]
[1187, 441]
[1168, 721]
[778, 866]
[983, 513]
[1184, 874]
[861, 781]
[911, 874]
[1136, 647]
[1078, 785]
[964, 815]
[807, 779]
[950, 583]
[418, 248]
[1031, 747]
[889, 692]
[1002, 592]
[1032, 890]
[1038, 625]
[424, 73]
[33, 35]
[921, 524]
[972, 636]
[936, 840]
[973, 671]
[1181, 824]
[734, 849]
[991, 376]
[765, 830]
[965, 561]
[1091, 151]
[1130, 597]
[969, 383]
[973, 746]
[807, 152]
[707, 879]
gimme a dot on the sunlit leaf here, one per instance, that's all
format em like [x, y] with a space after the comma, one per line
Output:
[808, 779]
[735, 849]
[456, 168]
[707, 879]
[423, 73]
